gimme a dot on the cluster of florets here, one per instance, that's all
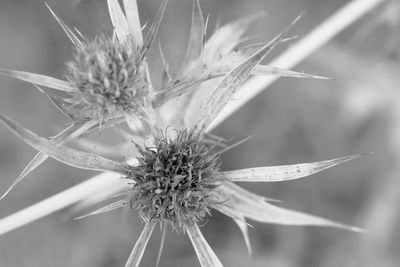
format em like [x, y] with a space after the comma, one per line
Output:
[107, 77]
[175, 180]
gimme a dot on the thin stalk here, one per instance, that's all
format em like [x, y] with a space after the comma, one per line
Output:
[313, 41]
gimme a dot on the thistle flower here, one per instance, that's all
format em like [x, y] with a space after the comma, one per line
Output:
[176, 179]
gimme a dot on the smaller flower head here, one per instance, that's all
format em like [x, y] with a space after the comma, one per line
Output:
[174, 180]
[107, 77]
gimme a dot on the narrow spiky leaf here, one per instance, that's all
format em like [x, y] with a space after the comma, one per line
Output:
[118, 20]
[64, 154]
[58, 102]
[244, 229]
[153, 30]
[239, 219]
[228, 86]
[179, 87]
[196, 38]
[132, 16]
[137, 252]
[285, 172]
[223, 68]
[204, 252]
[254, 207]
[113, 206]
[23, 174]
[71, 132]
[235, 79]
[274, 71]
[71, 35]
[39, 80]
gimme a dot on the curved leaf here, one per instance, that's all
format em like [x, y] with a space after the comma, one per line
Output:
[254, 207]
[64, 154]
[285, 172]
[39, 80]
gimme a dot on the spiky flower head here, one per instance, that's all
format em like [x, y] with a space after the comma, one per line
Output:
[107, 76]
[174, 180]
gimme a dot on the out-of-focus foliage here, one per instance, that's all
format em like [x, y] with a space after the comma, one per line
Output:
[293, 121]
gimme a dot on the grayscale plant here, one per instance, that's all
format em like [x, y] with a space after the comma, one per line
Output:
[175, 179]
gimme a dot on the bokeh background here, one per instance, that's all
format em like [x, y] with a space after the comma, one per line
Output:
[294, 120]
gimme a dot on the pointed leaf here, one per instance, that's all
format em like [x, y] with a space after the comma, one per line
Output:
[196, 76]
[132, 16]
[204, 252]
[118, 20]
[115, 205]
[244, 229]
[39, 80]
[71, 35]
[67, 107]
[274, 71]
[196, 38]
[228, 86]
[285, 172]
[137, 252]
[24, 173]
[153, 30]
[255, 208]
[69, 133]
[64, 154]
[235, 79]
[58, 102]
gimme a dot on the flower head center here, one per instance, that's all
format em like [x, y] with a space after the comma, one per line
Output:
[175, 180]
[107, 76]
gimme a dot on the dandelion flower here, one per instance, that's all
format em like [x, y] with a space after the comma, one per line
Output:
[176, 178]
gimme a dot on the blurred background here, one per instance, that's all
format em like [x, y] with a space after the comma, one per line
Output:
[293, 121]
